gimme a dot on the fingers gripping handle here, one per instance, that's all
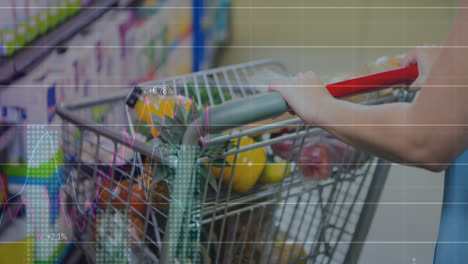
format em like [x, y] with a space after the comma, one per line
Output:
[245, 111]
[373, 82]
[261, 107]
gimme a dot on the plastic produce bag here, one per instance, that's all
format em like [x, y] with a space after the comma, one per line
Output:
[320, 154]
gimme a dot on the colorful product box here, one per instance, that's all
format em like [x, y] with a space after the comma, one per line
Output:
[128, 41]
[105, 39]
[39, 182]
[152, 34]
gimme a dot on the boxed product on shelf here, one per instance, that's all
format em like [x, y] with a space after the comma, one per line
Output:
[127, 48]
[104, 40]
[80, 59]
[106, 59]
[39, 181]
[151, 34]
[60, 77]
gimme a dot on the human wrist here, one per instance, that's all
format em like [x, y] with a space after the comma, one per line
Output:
[322, 110]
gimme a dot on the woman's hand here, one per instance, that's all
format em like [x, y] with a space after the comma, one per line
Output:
[306, 96]
[425, 57]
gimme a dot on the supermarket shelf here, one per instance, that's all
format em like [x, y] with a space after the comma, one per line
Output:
[28, 56]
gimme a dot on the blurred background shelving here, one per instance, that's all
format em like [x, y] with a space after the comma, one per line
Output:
[96, 48]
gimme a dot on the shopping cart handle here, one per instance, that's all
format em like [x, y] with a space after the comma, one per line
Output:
[373, 82]
[238, 113]
[246, 111]
[261, 107]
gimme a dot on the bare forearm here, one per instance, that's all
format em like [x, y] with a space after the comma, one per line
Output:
[380, 130]
[430, 132]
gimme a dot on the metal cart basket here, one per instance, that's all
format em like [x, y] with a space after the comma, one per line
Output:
[123, 213]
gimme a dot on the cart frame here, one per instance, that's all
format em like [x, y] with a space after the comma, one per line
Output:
[240, 112]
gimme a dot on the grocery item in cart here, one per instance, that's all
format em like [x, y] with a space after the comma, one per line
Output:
[117, 194]
[249, 167]
[118, 236]
[319, 153]
[286, 250]
[154, 109]
[237, 227]
[382, 75]
[381, 64]
[274, 172]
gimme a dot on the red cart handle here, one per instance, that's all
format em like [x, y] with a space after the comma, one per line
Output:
[374, 82]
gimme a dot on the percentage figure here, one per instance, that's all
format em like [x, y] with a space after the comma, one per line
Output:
[57, 236]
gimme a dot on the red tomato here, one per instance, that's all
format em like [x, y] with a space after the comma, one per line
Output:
[315, 162]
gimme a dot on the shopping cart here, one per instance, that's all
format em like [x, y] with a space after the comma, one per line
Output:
[150, 202]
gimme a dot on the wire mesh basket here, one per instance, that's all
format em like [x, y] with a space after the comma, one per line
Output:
[138, 199]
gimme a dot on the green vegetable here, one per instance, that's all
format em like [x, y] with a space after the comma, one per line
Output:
[204, 94]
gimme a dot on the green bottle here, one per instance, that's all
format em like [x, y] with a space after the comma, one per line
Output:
[54, 13]
[74, 6]
[43, 15]
[21, 12]
[8, 30]
[33, 24]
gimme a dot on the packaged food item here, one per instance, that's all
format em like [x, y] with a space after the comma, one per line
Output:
[117, 195]
[106, 57]
[152, 33]
[316, 162]
[109, 228]
[383, 63]
[128, 73]
[320, 154]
